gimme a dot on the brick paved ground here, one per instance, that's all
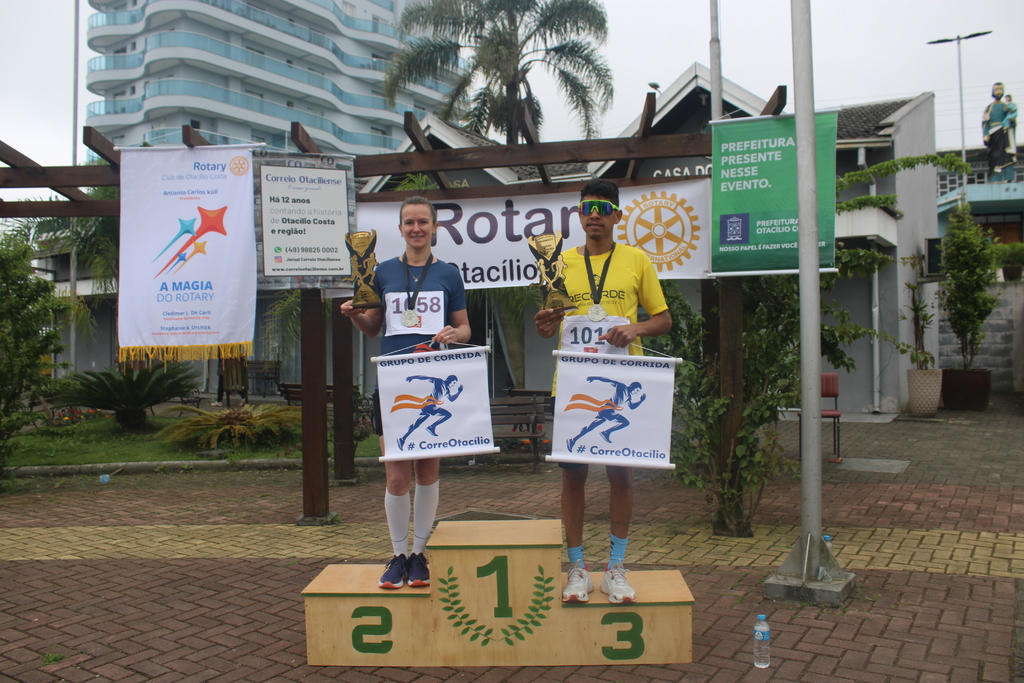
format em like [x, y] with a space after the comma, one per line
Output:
[197, 576]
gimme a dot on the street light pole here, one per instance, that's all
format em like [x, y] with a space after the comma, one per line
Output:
[960, 78]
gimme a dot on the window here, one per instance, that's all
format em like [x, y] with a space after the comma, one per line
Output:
[252, 49]
[196, 123]
[133, 46]
[120, 94]
[289, 103]
[253, 93]
[348, 8]
[131, 90]
[120, 51]
[378, 131]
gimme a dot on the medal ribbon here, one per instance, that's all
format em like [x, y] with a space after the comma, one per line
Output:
[410, 302]
[595, 294]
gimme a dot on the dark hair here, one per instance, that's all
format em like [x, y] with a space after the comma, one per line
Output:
[418, 200]
[599, 187]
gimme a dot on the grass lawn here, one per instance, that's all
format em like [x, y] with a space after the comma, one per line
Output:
[101, 440]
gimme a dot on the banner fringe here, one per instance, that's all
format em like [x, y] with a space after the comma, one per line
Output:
[184, 353]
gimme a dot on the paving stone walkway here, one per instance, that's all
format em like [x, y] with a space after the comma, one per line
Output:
[195, 577]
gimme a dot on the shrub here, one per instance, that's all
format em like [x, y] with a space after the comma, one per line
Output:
[967, 273]
[255, 424]
[128, 394]
[28, 337]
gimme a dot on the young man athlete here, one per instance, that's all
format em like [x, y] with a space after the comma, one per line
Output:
[607, 282]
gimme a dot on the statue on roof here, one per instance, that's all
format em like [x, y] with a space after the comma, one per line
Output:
[998, 126]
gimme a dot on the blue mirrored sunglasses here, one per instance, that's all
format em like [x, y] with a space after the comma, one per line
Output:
[602, 206]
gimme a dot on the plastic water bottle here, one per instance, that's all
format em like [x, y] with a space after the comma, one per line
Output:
[828, 543]
[762, 643]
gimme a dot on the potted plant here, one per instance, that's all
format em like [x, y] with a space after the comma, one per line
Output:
[1010, 257]
[967, 272]
[924, 382]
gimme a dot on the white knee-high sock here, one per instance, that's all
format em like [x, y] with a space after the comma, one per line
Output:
[424, 511]
[398, 509]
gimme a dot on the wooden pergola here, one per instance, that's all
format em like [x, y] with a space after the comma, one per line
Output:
[722, 308]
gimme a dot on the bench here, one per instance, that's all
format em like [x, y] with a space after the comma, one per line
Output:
[522, 417]
[191, 398]
[292, 393]
[265, 371]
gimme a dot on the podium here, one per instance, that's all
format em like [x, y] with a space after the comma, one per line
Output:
[494, 600]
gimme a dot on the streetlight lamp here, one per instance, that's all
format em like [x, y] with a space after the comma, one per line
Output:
[960, 77]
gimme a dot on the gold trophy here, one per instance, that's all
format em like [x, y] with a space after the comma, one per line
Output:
[548, 250]
[360, 246]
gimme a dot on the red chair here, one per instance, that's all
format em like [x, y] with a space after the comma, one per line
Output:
[829, 389]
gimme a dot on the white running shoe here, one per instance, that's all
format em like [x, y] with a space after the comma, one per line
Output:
[615, 585]
[578, 585]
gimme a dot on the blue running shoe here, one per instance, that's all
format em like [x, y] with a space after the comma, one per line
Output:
[419, 575]
[395, 573]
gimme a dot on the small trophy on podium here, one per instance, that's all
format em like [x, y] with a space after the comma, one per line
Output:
[548, 250]
[360, 246]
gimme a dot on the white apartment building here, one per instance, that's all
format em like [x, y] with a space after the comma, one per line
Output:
[242, 71]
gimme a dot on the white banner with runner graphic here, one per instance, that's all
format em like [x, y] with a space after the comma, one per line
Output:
[486, 238]
[187, 280]
[613, 410]
[435, 404]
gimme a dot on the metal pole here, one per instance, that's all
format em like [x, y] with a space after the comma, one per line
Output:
[73, 284]
[716, 65]
[810, 296]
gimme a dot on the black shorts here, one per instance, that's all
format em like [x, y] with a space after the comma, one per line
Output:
[378, 422]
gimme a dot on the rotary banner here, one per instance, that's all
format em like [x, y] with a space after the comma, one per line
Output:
[486, 238]
[187, 284]
[613, 410]
[435, 404]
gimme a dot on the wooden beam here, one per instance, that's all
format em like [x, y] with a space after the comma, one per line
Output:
[313, 346]
[344, 416]
[191, 137]
[303, 141]
[525, 124]
[517, 190]
[419, 140]
[16, 159]
[776, 103]
[93, 207]
[104, 148]
[646, 122]
[500, 156]
[61, 176]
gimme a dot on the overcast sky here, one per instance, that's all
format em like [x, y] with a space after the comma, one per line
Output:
[864, 51]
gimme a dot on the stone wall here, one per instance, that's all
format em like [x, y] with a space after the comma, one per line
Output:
[1003, 349]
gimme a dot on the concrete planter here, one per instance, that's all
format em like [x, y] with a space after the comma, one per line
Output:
[966, 389]
[924, 389]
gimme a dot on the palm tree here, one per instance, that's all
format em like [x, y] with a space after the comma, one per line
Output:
[504, 40]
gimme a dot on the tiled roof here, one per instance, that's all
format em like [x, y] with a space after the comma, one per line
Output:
[859, 122]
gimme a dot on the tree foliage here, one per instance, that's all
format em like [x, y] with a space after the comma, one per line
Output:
[950, 162]
[734, 478]
[967, 273]
[504, 41]
[30, 311]
[130, 392]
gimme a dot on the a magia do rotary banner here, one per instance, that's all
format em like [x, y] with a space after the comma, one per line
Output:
[613, 410]
[435, 404]
[187, 285]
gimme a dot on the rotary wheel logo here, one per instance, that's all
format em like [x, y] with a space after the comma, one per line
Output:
[663, 226]
[238, 165]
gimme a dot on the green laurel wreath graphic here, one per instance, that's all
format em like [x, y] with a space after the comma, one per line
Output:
[461, 619]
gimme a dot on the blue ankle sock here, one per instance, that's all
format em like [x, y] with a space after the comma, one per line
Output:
[618, 550]
[575, 554]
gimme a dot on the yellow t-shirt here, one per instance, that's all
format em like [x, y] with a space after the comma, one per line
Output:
[631, 281]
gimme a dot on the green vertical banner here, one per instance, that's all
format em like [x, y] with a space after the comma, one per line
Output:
[754, 194]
